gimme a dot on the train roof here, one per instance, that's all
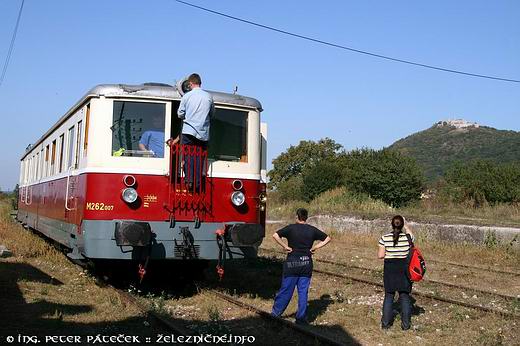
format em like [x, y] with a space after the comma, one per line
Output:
[167, 91]
[159, 90]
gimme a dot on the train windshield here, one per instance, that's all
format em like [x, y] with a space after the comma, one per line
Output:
[138, 129]
[228, 135]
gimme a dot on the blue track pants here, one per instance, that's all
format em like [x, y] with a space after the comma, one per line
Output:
[283, 297]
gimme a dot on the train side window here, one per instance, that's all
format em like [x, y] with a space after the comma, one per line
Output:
[87, 125]
[28, 177]
[25, 169]
[42, 161]
[70, 147]
[228, 135]
[62, 145]
[37, 173]
[78, 145]
[138, 129]
[53, 157]
[33, 175]
[22, 180]
[29, 161]
[46, 172]
[33, 169]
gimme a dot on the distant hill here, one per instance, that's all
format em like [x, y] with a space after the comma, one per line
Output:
[446, 142]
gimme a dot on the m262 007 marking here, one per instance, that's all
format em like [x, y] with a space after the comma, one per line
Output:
[100, 206]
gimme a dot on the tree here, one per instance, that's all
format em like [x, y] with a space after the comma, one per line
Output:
[483, 181]
[321, 177]
[385, 174]
[296, 159]
[16, 193]
[291, 189]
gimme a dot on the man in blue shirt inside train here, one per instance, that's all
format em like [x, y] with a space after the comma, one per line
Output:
[153, 139]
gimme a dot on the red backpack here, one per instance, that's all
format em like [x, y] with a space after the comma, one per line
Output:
[415, 260]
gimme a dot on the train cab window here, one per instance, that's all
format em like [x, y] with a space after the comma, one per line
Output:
[228, 135]
[138, 129]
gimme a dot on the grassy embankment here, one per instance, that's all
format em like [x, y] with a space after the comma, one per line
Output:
[342, 202]
[43, 293]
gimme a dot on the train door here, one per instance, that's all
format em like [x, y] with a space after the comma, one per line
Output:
[73, 186]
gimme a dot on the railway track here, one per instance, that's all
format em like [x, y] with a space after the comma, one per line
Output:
[448, 284]
[469, 266]
[416, 292]
[322, 339]
[178, 329]
[149, 313]
[509, 272]
[424, 294]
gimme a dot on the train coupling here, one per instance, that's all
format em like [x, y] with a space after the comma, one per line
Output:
[222, 245]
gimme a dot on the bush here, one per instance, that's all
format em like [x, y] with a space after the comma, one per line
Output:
[319, 178]
[341, 201]
[290, 189]
[384, 175]
[297, 159]
[483, 182]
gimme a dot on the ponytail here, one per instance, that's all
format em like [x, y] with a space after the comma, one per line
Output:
[395, 235]
[397, 228]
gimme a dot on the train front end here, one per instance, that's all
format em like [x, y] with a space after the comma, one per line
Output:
[172, 201]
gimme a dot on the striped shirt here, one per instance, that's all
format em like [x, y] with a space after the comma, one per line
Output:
[398, 251]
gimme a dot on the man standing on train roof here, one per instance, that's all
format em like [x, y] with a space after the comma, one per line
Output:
[195, 110]
[297, 269]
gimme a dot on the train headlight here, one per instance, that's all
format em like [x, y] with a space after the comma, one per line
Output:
[238, 198]
[262, 198]
[129, 180]
[237, 185]
[129, 195]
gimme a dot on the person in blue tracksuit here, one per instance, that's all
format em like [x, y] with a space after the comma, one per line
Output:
[297, 269]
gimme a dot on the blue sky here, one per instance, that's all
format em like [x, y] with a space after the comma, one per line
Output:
[308, 91]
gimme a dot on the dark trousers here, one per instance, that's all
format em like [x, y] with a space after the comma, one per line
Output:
[283, 297]
[194, 167]
[388, 312]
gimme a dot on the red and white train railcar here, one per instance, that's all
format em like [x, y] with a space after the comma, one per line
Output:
[88, 185]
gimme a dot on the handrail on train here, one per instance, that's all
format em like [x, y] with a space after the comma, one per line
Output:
[188, 176]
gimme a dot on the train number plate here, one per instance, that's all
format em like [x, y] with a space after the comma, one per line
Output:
[99, 206]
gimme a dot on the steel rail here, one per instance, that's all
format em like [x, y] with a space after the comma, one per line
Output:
[416, 292]
[130, 299]
[439, 282]
[476, 267]
[424, 294]
[170, 325]
[267, 316]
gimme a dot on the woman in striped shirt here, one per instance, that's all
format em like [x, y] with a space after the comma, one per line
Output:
[394, 248]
